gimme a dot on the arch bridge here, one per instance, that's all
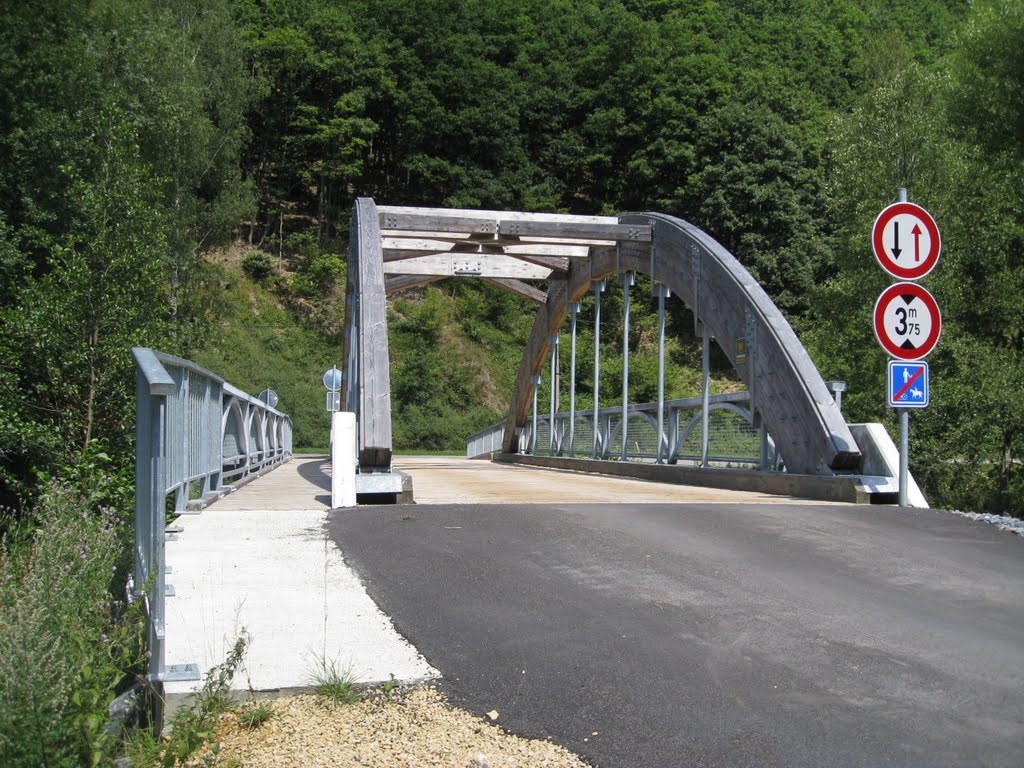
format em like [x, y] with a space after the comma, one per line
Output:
[395, 248]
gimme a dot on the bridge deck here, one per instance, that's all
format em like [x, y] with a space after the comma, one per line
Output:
[258, 560]
[455, 480]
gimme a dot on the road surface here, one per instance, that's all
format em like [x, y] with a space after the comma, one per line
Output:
[713, 634]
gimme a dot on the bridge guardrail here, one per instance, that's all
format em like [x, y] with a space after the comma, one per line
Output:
[193, 431]
[732, 439]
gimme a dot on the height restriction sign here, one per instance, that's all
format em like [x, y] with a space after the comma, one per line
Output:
[907, 321]
[906, 241]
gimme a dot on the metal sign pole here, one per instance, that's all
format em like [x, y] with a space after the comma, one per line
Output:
[901, 197]
[904, 453]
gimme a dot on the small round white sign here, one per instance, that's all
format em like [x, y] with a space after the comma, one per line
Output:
[332, 380]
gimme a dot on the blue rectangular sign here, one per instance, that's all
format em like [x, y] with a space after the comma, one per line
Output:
[908, 384]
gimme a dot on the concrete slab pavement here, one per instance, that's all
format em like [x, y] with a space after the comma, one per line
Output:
[259, 559]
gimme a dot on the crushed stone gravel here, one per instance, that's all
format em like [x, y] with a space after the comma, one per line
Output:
[406, 727]
[1002, 522]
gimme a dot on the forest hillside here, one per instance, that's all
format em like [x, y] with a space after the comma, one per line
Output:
[180, 175]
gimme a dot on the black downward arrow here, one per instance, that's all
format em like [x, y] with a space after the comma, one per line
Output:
[896, 250]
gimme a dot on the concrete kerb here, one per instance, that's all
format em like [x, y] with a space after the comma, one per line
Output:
[838, 488]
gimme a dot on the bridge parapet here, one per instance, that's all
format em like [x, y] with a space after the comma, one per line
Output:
[193, 431]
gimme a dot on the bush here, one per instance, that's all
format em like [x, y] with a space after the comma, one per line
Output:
[257, 265]
[67, 646]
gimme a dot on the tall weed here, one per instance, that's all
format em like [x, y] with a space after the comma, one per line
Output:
[66, 643]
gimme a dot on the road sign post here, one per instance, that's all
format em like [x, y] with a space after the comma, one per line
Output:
[907, 321]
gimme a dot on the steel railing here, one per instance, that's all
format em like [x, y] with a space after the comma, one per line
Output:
[194, 431]
[732, 438]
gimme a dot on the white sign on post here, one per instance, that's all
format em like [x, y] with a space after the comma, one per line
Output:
[332, 379]
[906, 241]
[907, 321]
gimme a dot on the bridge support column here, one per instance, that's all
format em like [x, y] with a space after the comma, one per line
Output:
[598, 289]
[705, 382]
[661, 291]
[628, 278]
[535, 383]
[574, 309]
[553, 443]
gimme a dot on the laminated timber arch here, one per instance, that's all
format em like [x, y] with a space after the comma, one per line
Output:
[396, 248]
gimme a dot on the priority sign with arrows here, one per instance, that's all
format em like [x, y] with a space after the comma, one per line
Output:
[906, 241]
[907, 321]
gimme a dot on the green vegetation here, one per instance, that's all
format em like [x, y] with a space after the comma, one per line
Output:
[68, 643]
[333, 683]
[192, 727]
[255, 714]
[179, 175]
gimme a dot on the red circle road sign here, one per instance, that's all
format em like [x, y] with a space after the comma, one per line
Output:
[907, 321]
[906, 241]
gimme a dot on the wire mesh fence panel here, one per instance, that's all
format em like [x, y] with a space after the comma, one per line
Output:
[730, 436]
[641, 438]
[583, 439]
[543, 435]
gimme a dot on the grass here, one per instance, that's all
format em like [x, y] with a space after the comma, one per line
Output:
[334, 684]
[255, 714]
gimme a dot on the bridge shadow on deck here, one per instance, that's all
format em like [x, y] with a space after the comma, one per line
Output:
[313, 472]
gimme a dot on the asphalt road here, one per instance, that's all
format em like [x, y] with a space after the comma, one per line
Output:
[714, 634]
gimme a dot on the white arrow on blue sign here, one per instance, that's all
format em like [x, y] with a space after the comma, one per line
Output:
[908, 384]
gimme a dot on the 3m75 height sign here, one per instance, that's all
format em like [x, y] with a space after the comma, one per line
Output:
[907, 321]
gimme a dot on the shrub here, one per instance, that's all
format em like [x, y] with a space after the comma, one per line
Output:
[257, 265]
[67, 646]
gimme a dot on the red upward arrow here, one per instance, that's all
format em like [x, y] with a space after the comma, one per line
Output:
[917, 232]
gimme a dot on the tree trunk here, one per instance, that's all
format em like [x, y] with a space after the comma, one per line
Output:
[90, 398]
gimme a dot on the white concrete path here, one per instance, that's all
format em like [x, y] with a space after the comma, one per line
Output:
[259, 560]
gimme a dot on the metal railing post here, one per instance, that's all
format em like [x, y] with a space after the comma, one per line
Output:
[552, 442]
[574, 309]
[628, 278]
[705, 393]
[152, 387]
[535, 381]
[662, 293]
[598, 288]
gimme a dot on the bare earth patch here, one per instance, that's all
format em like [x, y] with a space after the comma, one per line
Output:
[414, 727]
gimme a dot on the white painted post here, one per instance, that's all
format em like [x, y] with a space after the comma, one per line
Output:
[343, 459]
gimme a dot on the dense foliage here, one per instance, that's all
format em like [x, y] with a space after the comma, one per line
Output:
[139, 135]
[139, 138]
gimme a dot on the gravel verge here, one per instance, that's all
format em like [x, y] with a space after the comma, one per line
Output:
[411, 727]
[1002, 522]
